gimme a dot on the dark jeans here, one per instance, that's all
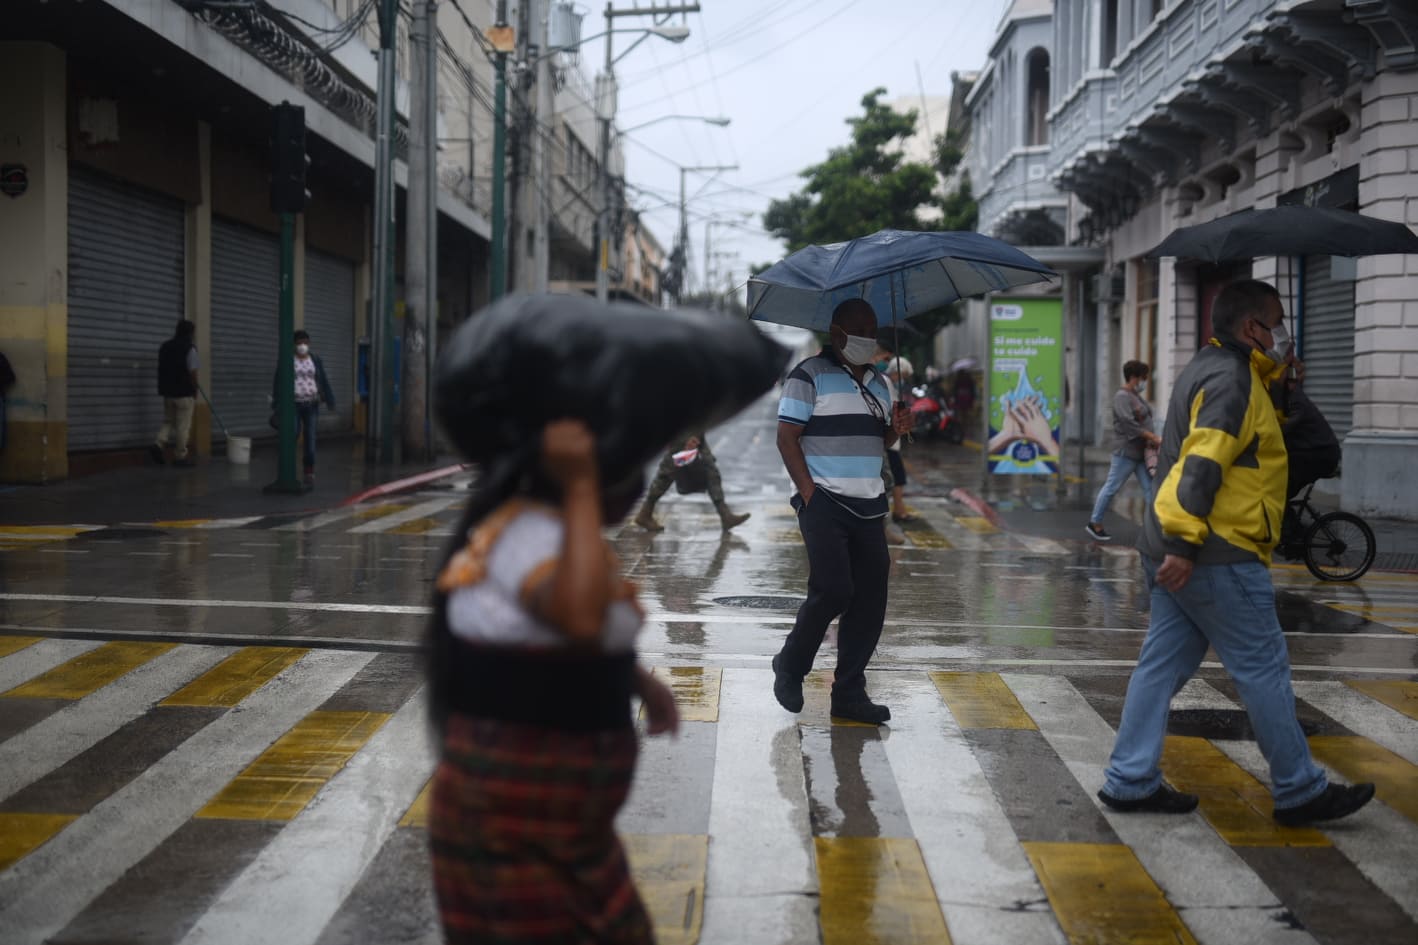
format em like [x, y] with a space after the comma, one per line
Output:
[305, 417]
[847, 570]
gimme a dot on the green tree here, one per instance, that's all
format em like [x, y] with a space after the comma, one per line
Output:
[958, 208]
[862, 187]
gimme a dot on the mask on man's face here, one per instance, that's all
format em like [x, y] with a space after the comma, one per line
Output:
[858, 350]
[302, 348]
[1279, 345]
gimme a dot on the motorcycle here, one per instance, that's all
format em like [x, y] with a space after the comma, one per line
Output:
[933, 416]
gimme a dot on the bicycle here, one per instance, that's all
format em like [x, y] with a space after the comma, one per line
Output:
[1335, 546]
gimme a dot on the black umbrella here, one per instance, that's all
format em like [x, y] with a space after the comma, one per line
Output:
[1288, 231]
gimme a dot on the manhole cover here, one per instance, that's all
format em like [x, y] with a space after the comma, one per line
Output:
[1227, 725]
[761, 603]
[119, 534]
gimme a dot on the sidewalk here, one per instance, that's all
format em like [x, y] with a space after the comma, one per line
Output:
[1033, 505]
[214, 489]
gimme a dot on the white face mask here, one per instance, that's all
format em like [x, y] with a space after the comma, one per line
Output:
[1141, 388]
[858, 350]
[302, 349]
[1280, 344]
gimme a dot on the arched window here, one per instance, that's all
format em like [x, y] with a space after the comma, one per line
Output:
[1036, 127]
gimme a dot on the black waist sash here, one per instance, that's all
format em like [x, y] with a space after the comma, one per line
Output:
[572, 689]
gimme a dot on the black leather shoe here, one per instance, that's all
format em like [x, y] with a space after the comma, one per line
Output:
[861, 709]
[787, 688]
[1164, 800]
[1334, 802]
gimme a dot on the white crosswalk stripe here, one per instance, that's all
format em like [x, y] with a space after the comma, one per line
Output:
[762, 882]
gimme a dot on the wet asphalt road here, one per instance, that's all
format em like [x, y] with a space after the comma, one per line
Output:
[212, 731]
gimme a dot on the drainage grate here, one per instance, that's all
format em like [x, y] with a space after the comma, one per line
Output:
[761, 603]
[1396, 561]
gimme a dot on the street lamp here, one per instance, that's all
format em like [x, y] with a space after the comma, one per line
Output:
[605, 112]
[719, 121]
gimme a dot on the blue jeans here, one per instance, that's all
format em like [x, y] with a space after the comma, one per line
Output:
[305, 417]
[1232, 608]
[1118, 473]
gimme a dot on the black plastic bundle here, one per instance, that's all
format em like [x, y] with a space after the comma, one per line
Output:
[640, 378]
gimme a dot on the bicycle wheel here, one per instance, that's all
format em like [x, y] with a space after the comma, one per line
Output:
[1339, 547]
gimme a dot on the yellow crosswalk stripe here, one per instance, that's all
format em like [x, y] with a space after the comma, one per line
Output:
[90, 672]
[981, 700]
[1359, 759]
[10, 645]
[696, 690]
[1400, 695]
[379, 511]
[1235, 804]
[22, 834]
[417, 814]
[669, 871]
[279, 783]
[876, 891]
[415, 527]
[978, 525]
[1102, 895]
[236, 677]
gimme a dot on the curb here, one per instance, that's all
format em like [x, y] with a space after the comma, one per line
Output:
[979, 506]
[404, 485]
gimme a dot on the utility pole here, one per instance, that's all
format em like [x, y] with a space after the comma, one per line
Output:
[521, 192]
[288, 197]
[421, 230]
[503, 40]
[381, 319]
[683, 256]
[541, 164]
[605, 112]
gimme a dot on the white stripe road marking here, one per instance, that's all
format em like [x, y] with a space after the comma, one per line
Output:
[1378, 840]
[1040, 546]
[979, 871]
[319, 521]
[1359, 713]
[386, 522]
[227, 639]
[51, 742]
[255, 604]
[299, 881]
[38, 658]
[1220, 898]
[44, 891]
[761, 874]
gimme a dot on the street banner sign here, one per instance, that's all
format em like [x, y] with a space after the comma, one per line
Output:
[1025, 386]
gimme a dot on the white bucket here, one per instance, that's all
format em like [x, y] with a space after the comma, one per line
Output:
[238, 450]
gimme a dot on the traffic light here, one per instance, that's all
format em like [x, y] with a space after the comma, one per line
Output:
[288, 159]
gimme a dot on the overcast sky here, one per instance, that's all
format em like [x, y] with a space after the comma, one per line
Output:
[788, 73]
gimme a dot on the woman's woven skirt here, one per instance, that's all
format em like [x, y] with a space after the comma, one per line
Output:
[522, 830]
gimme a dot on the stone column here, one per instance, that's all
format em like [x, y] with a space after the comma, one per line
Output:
[1379, 450]
[34, 261]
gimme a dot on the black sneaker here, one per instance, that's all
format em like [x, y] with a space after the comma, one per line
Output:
[861, 709]
[1097, 532]
[1334, 802]
[155, 454]
[1164, 800]
[787, 688]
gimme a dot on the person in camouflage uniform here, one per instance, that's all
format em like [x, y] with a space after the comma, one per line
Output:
[665, 477]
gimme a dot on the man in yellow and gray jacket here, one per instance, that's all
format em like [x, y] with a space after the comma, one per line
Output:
[1206, 547]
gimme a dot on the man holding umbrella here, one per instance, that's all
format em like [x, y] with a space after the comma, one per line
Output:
[832, 426]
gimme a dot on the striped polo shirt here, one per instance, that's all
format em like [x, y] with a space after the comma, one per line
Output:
[842, 438]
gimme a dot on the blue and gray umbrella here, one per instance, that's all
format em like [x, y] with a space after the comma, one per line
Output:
[900, 272]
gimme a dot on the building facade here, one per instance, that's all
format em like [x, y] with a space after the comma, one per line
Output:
[134, 138]
[1168, 113]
